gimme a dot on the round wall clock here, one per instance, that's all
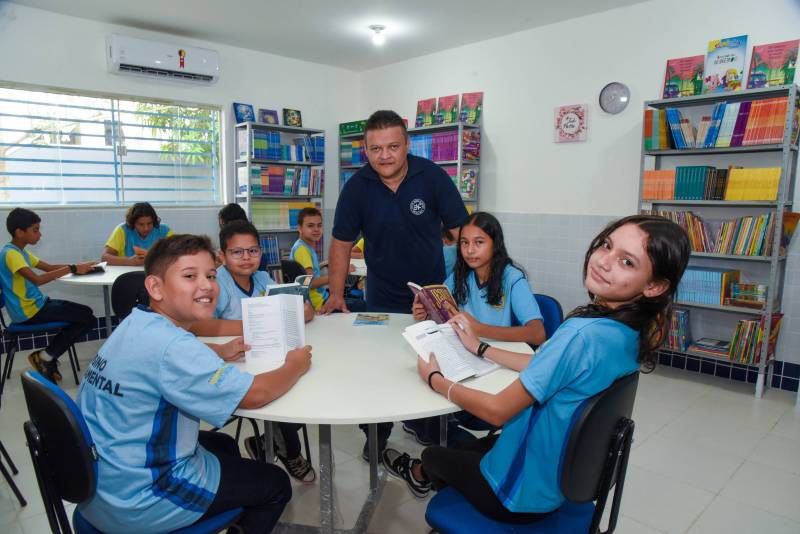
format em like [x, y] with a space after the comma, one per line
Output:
[614, 97]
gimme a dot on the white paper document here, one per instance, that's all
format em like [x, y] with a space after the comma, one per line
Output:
[456, 362]
[272, 326]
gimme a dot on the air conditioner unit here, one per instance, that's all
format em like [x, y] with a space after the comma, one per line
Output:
[142, 57]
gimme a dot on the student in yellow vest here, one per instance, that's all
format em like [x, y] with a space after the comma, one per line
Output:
[128, 243]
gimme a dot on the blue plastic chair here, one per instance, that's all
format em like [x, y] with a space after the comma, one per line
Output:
[65, 459]
[588, 471]
[552, 314]
[13, 331]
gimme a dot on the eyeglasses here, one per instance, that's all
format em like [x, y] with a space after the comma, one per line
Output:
[238, 253]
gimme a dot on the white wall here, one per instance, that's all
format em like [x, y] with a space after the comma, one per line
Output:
[526, 74]
[48, 49]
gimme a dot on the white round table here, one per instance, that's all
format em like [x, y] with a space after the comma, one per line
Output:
[105, 279]
[362, 374]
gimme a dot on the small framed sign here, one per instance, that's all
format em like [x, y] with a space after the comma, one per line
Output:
[570, 123]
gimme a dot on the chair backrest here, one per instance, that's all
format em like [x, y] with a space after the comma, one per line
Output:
[128, 292]
[291, 270]
[69, 456]
[593, 429]
[552, 314]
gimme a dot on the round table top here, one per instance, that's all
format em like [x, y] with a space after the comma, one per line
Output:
[365, 374]
[106, 278]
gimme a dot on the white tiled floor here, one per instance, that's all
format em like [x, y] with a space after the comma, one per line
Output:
[708, 458]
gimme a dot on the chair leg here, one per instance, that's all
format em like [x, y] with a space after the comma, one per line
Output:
[238, 429]
[75, 354]
[5, 372]
[73, 362]
[7, 476]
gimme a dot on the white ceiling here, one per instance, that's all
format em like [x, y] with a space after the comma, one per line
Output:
[333, 32]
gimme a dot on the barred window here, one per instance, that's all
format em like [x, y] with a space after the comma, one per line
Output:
[71, 149]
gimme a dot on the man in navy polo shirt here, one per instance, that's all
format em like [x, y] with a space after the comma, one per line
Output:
[400, 203]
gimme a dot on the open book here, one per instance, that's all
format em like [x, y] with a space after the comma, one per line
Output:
[456, 362]
[300, 287]
[272, 326]
[99, 268]
[437, 299]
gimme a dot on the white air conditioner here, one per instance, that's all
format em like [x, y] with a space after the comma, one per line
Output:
[142, 57]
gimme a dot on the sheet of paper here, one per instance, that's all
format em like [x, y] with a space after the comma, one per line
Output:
[270, 326]
[426, 339]
[360, 265]
[481, 366]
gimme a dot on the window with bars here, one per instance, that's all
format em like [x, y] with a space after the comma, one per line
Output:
[67, 149]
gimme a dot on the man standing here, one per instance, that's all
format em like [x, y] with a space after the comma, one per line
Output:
[399, 203]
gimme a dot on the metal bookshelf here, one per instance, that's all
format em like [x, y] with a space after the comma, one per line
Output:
[785, 155]
[246, 160]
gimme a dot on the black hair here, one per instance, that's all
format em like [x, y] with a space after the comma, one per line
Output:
[168, 250]
[231, 212]
[235, 228]
[384, 118]
[494, 292]
[307, 212]
[141, 209]
[668, 249]
[21, 219]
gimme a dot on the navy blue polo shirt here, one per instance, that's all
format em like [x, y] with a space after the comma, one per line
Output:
[402, 230]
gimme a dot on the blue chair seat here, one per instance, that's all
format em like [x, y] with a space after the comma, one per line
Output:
[17, 328]
[209, 526]
[450, 513]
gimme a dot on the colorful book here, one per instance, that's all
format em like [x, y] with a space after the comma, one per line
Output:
[426, 109]
[438, 301]
[447, 109]
[773, 64]
[684, 77]
[471, 108]
[724, 67]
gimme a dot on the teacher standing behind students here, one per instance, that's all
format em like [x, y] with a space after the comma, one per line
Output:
[400, 203]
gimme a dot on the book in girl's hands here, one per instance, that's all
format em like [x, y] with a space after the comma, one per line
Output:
[455, 361]
[438, 301]
[272, 326]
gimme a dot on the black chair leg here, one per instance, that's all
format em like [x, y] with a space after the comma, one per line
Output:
[305, 442]
[75, 354]
[238, 429]
[73, 362]
[7, 476]
[5, 372]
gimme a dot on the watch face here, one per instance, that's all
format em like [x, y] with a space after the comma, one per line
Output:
[614, 97]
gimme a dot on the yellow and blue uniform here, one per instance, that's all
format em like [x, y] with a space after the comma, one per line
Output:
[123, 238]
[23, 298]
[584, 357]
[307, 257]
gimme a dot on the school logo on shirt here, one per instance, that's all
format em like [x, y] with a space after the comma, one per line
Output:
[417, 206]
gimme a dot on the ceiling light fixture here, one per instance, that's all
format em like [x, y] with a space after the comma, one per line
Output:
[378, 39]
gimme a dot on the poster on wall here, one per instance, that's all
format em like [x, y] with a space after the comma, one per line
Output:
[571, 123]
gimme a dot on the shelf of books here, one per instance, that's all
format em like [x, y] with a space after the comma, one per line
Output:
[453, 146]
[723, 166]
[279, 171]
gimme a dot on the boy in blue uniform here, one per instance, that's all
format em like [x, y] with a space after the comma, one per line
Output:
[129, 241]
[240, 278]
[25, 302]
[145, 393]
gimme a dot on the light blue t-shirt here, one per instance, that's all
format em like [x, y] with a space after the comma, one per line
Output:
[229, 303]
[517, 306]
[143, 397]
[584, 357]
[450, 253]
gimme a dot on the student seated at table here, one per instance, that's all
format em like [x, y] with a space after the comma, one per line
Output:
[145, 393]
[240, 278]
[234, 212]
[491, 290]
[631, 271]
[129, 242]
[25, 302]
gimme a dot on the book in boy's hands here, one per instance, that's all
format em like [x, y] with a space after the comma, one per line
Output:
[98, 268]
[272, 326]
[438, 301]
[455, 361]
[292, 288]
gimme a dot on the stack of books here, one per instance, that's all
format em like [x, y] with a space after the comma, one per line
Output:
[285, 181]
[278, 215]
[678, 336]
[748, 296]
[753, 184]
[656, 136]
[706, 285]
[442, 146]
[471, 145]
[269, 246]
[701, 182]
[746, 344]
[344, 176]
[714, 348]
[352, 152]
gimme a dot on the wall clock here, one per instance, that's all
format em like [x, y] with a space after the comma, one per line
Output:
[614, 97]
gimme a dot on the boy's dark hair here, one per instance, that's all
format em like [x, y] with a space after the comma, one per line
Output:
[668, 249]
[235, 228]
[141, 209]
[384, 118]
[494, 291]
[167, 250]
[232, 212]
[307, 212]
[21, 219]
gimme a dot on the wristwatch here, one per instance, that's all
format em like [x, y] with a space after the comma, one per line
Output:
[72, 268]
[482, 348]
